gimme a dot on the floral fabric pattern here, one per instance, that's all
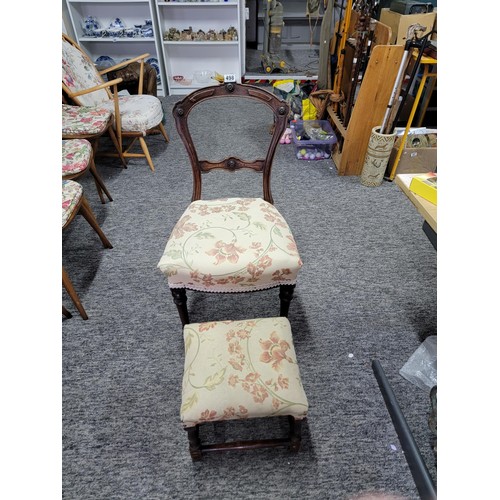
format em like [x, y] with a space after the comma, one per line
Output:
[76, 155]
[240, 369]
[230, 245]
[84, 119]
[71, 195]
[78, 73]
[138, 113]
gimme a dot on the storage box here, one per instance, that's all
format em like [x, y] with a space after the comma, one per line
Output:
[313, 139]
[414, 160]
[400, 23]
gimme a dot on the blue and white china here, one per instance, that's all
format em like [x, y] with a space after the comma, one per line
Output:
[103, 62]
[116, 23]
[90, 24]
[154, 63]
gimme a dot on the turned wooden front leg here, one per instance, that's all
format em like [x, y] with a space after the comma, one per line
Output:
[286, 296]
[194, 442]
[180, 300]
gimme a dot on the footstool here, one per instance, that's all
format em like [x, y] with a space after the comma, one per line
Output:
[240, 370]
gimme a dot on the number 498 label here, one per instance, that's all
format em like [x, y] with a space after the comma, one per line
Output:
[230, 77]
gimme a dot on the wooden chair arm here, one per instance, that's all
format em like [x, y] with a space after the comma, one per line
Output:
[123, 64]
[102, 86]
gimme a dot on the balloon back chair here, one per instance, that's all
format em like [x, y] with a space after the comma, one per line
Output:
[233, 244]
[73, 203]
[135, 116]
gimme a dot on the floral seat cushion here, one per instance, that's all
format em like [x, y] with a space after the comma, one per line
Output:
[230, 245]
[240, 369]
[84, 120]
[138, 113]
[76, 155]
[71, 195]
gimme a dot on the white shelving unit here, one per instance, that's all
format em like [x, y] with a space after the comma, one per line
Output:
[131, 12]
[183, 58]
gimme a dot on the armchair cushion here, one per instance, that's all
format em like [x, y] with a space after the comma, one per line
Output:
[78, 73]
[76, 155]
[84, 120]
[230, 245]
[71, 195]
[138, 113]
[240, 369]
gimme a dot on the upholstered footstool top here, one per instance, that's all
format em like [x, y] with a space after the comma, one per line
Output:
[240, 369]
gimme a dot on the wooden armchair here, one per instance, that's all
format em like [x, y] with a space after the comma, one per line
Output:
[135, 116]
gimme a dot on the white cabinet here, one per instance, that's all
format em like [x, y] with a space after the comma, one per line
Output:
[184, 57]
[135, 15]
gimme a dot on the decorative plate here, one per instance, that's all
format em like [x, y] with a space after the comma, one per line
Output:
[154, 62]
[104, 62]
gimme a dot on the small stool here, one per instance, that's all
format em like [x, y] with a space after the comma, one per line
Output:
[239, 370]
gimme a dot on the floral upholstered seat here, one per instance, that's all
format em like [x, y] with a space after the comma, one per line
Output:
[230, 245]
[235, 370]
[84, 120]
[77, 158]
[72, 193]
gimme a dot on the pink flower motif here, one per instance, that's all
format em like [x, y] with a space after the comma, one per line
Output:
[274, 351]
[243, 334]
[207, 415]
[225, 251]
[206, 326]
[252, 377]
[259, 393]
[233, 380]
[183, 226]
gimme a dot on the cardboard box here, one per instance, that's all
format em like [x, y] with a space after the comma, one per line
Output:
[400, 23]
[414, 160]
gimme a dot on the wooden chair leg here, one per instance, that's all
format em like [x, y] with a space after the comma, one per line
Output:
[101, 187]
[180, 300]
[194, 442]
[145, 150]
[86, 211]
[114, 140]
[66, 313]
[286, 296]
[72, 293]
[295, 433]
[163, 132]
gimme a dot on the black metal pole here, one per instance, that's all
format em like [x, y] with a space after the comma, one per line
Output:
[419, 471]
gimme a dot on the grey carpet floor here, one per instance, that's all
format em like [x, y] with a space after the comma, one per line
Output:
[367, 291]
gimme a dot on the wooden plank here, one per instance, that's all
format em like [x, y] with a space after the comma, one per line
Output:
[371, 104]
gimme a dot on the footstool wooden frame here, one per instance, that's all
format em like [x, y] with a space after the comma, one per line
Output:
[237, 370]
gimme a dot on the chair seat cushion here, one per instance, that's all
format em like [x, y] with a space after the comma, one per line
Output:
[240, 369]
[138, 113]
[230, 245]
[71, 194]
[76, 155]
[84, 120]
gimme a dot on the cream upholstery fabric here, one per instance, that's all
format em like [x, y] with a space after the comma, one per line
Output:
[71, 194]
[240, 369]
[76, 155]
[138, 113]
[80, 74]
[230, 245]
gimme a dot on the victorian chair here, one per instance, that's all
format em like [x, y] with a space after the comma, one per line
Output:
[73, 203]
[231, 244]
[135, 116]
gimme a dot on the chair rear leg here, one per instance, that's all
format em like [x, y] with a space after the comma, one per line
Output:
[72, 293]
[86, 211]
[295, 433]
[101, 187]
[145, 150]
[163, 132]
[66, 313]
[180, 300]
[286, 296]
[194, 442]
[114, 140]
